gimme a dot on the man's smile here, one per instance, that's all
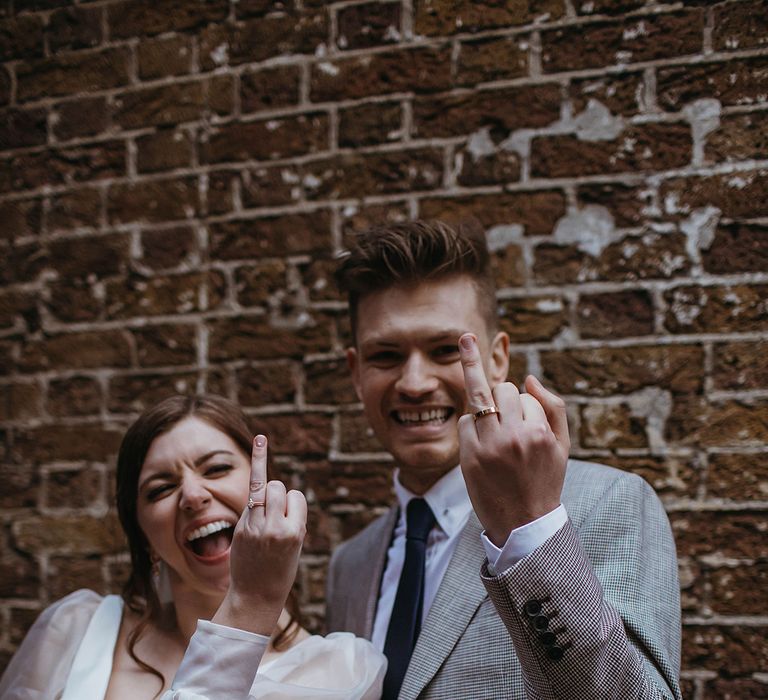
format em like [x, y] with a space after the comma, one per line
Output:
[424, 416]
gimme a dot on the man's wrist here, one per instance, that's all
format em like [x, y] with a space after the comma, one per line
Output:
[523, 540]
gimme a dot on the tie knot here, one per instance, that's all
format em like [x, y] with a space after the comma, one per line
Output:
[419, 519]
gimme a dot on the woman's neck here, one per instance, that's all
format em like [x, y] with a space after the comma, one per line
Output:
[191, 606]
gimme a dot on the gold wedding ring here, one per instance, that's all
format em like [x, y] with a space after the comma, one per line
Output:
[253, 504]
[486, 412]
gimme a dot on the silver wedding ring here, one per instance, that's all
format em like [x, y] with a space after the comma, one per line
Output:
[486, 412]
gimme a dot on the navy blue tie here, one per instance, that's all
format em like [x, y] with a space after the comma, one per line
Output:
[405, 623]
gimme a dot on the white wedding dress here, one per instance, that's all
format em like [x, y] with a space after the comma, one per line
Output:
[68, 652]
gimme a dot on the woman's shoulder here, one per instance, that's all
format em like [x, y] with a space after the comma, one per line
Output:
[45, 656]
[80, 604]
[70, 616]
[81, 597]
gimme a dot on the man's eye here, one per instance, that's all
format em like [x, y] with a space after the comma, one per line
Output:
[447, 351]
[384, 357]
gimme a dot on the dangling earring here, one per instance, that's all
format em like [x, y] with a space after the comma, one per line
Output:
[155, 570]
[161, 581]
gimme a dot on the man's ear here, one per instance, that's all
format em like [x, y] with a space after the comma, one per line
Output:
[353, 362]
[498, 367]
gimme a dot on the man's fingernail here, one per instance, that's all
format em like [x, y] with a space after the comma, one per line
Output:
[260, 441]
[467, 341]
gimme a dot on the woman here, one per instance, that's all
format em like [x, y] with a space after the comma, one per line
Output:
[209, 539]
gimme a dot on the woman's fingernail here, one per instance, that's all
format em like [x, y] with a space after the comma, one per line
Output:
[467, 341]
[260, 441]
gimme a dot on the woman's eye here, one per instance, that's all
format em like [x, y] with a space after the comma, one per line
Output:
[218, 469]
[159, 491]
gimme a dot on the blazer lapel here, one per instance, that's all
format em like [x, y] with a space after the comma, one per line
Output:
[364, 588]
[457, 599]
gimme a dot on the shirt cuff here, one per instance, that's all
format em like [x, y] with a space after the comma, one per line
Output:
[220, 662]
[523, 540]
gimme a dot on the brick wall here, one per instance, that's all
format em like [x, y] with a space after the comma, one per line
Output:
[176, 176]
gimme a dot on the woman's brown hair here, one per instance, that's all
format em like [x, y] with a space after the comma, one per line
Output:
[139, 592]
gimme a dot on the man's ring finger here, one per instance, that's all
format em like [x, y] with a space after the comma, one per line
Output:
[486, 412]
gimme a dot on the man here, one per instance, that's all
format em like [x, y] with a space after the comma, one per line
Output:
[571, 589]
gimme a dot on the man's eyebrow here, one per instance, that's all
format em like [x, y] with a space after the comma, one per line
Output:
[379, 343]
[451, 335]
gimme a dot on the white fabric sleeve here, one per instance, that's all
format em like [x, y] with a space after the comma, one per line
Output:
[337, 666]
[220, 662]
[523, 540]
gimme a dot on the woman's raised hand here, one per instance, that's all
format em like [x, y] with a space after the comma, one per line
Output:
[265, 550]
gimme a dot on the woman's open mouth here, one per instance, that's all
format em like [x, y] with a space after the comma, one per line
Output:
[212, 540]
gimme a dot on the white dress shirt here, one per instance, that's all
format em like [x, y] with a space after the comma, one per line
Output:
[450, 503]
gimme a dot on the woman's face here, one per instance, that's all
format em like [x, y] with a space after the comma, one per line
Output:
[193, 487]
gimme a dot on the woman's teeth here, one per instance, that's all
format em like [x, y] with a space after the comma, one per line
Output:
[209, 529]
[434, 414]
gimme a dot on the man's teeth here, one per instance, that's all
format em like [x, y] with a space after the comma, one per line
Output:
[434, 414]
[209, 529]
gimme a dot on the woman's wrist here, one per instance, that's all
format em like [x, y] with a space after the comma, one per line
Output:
[259, 616]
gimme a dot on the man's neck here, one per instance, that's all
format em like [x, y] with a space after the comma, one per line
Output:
[419, 485]
[421, 482]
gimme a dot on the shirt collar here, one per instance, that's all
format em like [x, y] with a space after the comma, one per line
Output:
[448, 499]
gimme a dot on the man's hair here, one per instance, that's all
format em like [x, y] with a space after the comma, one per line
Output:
[417, 251]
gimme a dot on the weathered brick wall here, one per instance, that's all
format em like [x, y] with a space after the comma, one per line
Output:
[176, 176]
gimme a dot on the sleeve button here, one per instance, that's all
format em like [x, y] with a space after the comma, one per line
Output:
[532, 608]
[548, 639]
[555, 653]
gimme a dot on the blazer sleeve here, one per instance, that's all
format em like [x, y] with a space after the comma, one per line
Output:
[332, 606]
[596, 613]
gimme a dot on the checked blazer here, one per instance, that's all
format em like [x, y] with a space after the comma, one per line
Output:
[604, 588]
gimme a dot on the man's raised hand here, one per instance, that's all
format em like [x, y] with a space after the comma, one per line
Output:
[513, 460]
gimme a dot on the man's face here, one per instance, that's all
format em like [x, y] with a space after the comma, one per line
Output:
[407, 372]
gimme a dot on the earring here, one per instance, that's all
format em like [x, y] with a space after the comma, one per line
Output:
[155, 569]
[161, 581]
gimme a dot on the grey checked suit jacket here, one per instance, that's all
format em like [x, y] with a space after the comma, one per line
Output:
[607, 581]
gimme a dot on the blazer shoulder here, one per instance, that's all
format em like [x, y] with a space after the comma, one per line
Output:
[359, 546]
[601, 476]
[587, 484]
